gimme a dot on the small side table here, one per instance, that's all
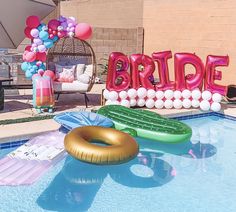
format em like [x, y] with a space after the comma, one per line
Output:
[3, 79]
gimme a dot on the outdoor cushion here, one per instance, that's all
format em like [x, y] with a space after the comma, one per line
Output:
[74, 86]
[79, 70]
[65, 74]
[84, 78]
[89, 70]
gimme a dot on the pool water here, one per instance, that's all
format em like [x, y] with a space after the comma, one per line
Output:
[196, 176]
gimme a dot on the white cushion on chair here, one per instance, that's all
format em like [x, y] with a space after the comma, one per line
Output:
[89, 70]
[84, 78]
[79, 70]
[73, 86]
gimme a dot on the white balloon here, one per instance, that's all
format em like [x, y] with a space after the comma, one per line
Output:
[141, 102]
[150, 103]
[142, 93]
[206, 95]
[168, 104]
[108, 102]
[151, 94]
[216, 106]
[177, 94]
[159, 94]
[205, 105]
[216, 97]
[115, 103]
[159, 104]
[169, 94]
[132, 102]
[186, 94]
[106, 94]
[123, 94]
[187, 103]
[125, 102]
[113, 95]
[132, 93]
[196, 94]
[177, 103]
[195, 103]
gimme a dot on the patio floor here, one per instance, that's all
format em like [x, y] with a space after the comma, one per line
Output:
[19, 105]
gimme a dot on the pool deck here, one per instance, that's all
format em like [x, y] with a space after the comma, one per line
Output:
[20, 106]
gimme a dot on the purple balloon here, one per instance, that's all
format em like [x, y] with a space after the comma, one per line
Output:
[38, 41]
[62, 19]
[34, 33]
[72, 29]
[42, 48]
[64, 25]
[34, 45]
[70, 25]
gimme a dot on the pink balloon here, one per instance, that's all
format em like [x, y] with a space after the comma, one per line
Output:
[50, 74]
[38, 63]
[51, 36]
[161, 58]
[27, 32]
[212, 74]
[24, 54]
[61, 34]
[30, 57]
[141, 78]
[113, 74]
[28, 48]
[53, 24]
[41, 72]
[41, 56]
[33, 21]
[83, 31]
[191, 81]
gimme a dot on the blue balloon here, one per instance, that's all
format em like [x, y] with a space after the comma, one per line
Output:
[24, 66]
[55, 38]
[43, 35]
[28, 74]
[35, 68]
[41, 27]
[48, 43]
[42, 67]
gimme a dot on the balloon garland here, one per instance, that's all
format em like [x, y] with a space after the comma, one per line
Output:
[43, 38]
[164, 99]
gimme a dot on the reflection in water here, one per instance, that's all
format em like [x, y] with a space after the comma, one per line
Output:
[75, 187]
[162, 172]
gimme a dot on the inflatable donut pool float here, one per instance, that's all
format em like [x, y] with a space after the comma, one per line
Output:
[120, 148]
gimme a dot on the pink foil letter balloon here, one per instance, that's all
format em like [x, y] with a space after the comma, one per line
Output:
[212, 74]
[161, 59]
[116, 59]
[191, 81]
[141, 77]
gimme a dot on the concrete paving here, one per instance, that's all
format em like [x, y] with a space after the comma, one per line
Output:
[20, 106]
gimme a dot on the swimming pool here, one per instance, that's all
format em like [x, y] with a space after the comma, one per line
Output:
[197, 176]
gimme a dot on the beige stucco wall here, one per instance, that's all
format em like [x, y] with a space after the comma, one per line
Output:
[204, 27]
[105, 13]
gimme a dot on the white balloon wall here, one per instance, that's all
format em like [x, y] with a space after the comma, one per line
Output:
[164, 99]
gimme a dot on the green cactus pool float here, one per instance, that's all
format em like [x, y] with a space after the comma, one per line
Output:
[146, 124]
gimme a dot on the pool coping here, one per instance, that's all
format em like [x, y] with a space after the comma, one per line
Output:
[15, 141]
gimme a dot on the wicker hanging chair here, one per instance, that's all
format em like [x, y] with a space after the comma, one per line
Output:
[72, 51]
